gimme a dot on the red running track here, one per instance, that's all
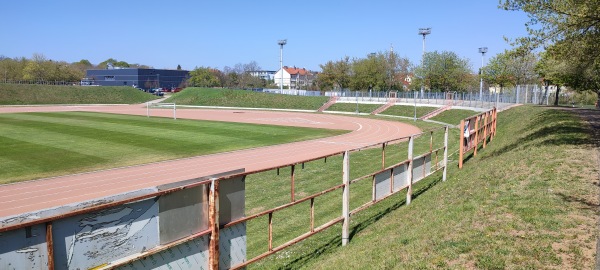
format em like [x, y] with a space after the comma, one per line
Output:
[33, 196]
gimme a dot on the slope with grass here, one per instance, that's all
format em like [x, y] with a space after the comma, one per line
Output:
[245, 99]
[408, 111]
[527, 201]
[38, 145]
[352, 107]
[453, 116]
[32, 94]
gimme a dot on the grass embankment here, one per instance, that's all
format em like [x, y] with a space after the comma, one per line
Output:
[529, 200]
[351, 107]
[453, 116]
[31, 94]
[38, 145]
[408, 111]
[244, 99]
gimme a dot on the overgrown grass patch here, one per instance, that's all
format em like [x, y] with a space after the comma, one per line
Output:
[245, 98]
[31, 94]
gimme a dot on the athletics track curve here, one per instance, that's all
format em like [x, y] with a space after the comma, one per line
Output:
[33, 196]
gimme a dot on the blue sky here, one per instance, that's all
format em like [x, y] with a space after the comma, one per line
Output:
[215, 34]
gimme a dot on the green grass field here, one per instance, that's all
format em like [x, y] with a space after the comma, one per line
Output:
[38, 145]
[245, 99]
[30, 94]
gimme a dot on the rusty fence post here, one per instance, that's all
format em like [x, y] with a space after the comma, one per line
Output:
[50, 245]
[461, 144]
[476, 139]
[346, 199]
[293, 182]
[485, 129]
[213, 218]
[383, 156]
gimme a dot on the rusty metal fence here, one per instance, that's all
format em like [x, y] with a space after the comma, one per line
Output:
[476, 130]
[217, 238]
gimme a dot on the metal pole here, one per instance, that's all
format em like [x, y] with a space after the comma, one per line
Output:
[409, 174]
[415, 99]
[346, 199]
[281, 66]
[445, 154]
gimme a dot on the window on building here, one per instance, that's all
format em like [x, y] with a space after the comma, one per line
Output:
[109, 78]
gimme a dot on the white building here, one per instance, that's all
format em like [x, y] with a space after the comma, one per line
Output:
[294, 78]
[267, 75]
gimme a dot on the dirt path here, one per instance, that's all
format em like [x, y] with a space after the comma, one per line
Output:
[34, 196]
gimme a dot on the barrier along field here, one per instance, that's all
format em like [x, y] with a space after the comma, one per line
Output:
[476, 130]
[230, 221]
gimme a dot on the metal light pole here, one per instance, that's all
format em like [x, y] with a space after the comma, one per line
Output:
[482, 51]
[424, 32]
[281, 43]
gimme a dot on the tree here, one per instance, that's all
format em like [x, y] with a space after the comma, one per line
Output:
[203, 77]
[498, 72]
[444, 71]
[569, 31]
[335, 74]
[369, 73]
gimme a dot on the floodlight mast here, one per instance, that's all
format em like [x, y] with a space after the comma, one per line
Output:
[281, 42]
[424, 32]
[482, 51]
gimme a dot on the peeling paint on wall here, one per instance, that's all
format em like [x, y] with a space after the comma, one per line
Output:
[89, 240]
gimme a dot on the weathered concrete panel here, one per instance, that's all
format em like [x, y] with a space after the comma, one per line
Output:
[400, 177]
[24, 248]
[232, 246]
[183, 213]
[382, 184]
[232, 199]
[89, 240]
[189, 255]
[417, 171]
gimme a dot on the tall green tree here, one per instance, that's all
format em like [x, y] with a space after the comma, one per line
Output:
[335, 75]
[444, 71]
[369, 73]
[569, 30]
[498, 71]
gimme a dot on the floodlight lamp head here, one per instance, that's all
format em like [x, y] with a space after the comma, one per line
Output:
[424, 31]
[483, 50]
[282, 42]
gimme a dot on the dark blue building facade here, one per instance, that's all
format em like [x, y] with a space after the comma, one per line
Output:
[136, 77]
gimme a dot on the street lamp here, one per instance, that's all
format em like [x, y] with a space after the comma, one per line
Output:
[482, 51]
[424, 32]
[281, 42]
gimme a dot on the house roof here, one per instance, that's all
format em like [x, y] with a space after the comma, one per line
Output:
[297, 71]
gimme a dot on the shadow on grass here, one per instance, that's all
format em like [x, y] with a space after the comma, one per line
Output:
[366, 221]
[551, 127]
[585, 203]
